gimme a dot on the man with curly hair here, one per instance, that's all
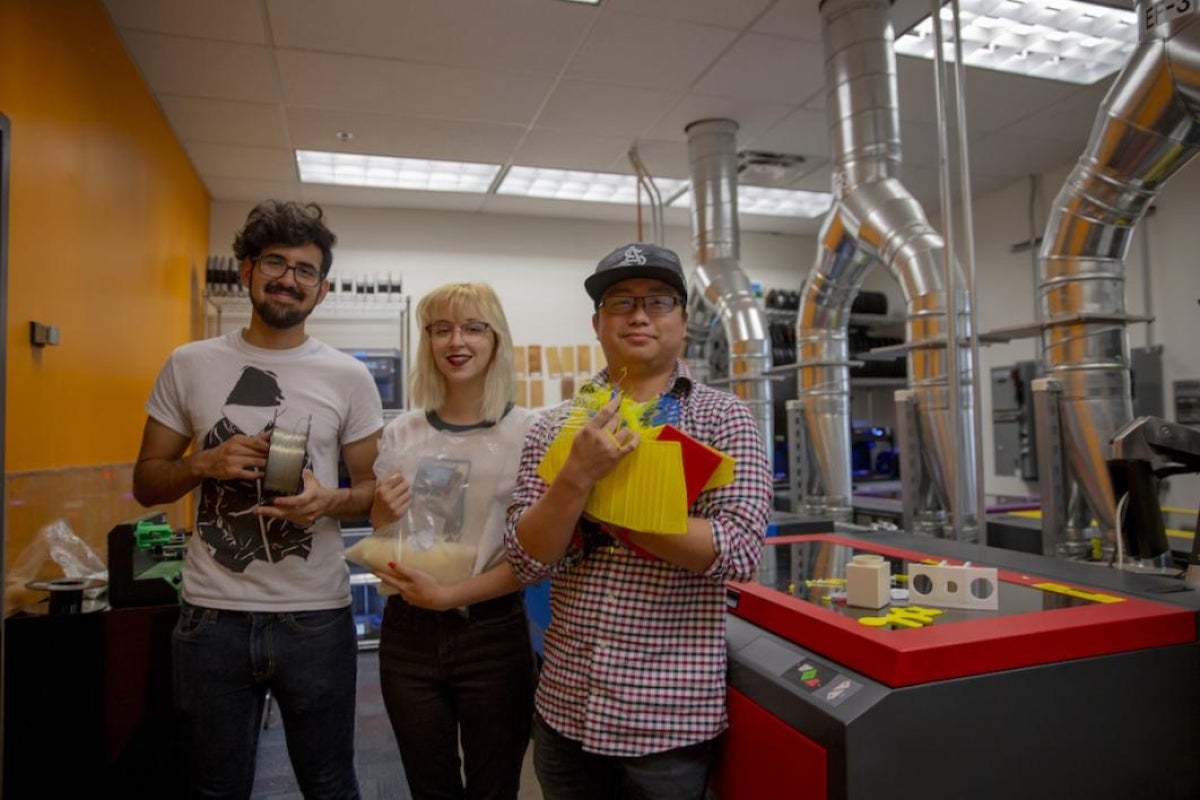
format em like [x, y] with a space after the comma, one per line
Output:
[266, 595]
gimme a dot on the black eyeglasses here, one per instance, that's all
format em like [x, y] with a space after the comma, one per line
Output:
[472, 330]
[656, 305]
[276, 266]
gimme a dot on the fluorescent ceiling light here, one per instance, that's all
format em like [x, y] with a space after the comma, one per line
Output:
[1062, 40]
[388, 172]
[772, 202]
[566, 184]
[608, 187]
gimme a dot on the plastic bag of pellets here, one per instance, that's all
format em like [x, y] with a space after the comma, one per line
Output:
[428, 536]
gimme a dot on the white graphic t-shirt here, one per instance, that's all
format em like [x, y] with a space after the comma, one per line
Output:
[214, 389]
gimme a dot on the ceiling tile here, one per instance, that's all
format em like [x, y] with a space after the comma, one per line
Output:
[373, 84]
[226, 20]
[641, 51]
[794, 226]
[253, 191]
[706, 12]
[986, 184]
[604, 109]
[662, 159]
[514, 35]
[819, 180]
[544, 83]
[564, 149]
[919, 144]
[232, 161]
[197, 119]
[1070, 119]
[804, 131]
[753, 117]
[1009, 154]
[393, 135]
[797, 19]
[914, 80]
[994, 99]
[767, 68]
[566, 209]
[923, 184]
[203, 68]
[907, 13]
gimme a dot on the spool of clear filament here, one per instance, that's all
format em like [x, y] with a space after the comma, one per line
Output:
[285, 460]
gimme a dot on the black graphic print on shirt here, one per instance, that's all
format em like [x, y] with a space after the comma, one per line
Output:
[224, 520]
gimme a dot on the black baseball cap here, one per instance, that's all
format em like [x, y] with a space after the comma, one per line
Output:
[636, 260]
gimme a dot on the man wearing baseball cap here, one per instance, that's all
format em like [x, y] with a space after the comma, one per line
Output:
[632, 689]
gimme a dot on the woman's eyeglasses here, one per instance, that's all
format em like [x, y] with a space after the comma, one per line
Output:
[472, 330]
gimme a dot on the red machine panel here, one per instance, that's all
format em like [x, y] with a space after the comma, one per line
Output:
[763, 758]
[1039, 620]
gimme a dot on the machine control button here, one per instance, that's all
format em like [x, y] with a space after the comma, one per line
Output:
[839, 689]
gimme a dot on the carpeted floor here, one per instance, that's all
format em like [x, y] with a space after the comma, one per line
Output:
[380, 773]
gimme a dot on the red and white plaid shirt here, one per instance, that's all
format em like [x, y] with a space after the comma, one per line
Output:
[634, 658]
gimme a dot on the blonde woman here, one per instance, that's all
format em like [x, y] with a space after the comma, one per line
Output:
[455, 659]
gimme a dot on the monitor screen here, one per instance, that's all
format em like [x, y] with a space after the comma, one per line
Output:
[386, 368]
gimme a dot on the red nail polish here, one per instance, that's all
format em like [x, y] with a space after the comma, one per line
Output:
[392, 564]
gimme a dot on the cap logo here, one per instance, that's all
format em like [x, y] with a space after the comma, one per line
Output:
[633, 255]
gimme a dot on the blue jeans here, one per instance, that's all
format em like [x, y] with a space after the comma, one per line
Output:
[446, 675]
[225, 661]
[566, 772]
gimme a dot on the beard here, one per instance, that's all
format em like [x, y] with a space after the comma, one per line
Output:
[279, 316]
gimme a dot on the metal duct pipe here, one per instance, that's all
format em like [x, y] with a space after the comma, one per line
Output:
[875, 219]
[1145, 130]
[721, 292]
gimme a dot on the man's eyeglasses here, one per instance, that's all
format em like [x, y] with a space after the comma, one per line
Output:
[656, 305]
[471, 331]
[274, 266]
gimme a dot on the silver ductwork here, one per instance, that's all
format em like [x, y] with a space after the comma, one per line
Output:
[720, 295]
[1145, 130]
[875, 220]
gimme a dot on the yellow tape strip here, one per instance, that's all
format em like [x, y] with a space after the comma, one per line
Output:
[1070, 591]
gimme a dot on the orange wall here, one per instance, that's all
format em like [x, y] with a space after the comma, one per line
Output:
[107, 220]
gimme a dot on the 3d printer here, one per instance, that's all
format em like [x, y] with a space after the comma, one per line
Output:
[145, 562]
[1144, 452]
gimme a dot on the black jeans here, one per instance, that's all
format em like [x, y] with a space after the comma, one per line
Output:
[448, 674]
[566, 772]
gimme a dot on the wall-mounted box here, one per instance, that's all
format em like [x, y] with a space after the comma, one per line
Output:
[1014, 442]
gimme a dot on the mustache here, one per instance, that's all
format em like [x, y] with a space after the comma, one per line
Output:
[278, 287]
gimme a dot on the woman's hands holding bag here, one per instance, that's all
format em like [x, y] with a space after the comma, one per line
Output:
[419, 588]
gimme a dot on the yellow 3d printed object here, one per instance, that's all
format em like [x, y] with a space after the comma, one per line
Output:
[651, 489]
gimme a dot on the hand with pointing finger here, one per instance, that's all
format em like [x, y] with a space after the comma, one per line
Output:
[599, 445]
